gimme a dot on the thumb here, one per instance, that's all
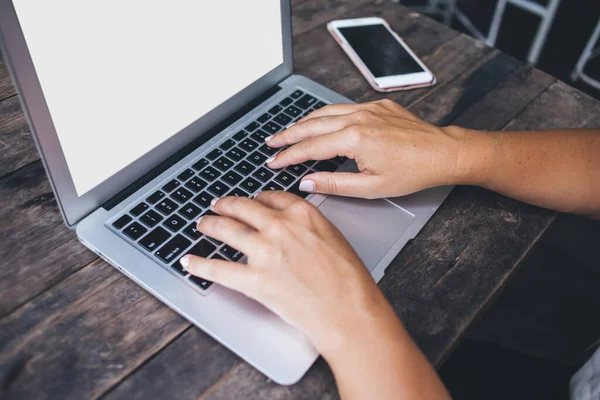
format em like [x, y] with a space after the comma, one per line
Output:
[352, 184]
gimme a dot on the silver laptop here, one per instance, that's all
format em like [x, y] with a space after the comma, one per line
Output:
[143, 112]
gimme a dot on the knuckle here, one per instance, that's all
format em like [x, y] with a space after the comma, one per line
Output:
[302, 208]
[355, 136]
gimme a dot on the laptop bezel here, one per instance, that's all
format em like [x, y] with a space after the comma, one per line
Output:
[75, 208]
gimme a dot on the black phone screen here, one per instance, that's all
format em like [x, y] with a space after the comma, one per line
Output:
[380, 51]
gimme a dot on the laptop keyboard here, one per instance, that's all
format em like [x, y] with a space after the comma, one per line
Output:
[163, 226]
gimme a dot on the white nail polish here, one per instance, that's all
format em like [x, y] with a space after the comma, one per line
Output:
[290, 125]
[185, 261]
[271, 159]
[307, 186]
[268, 138]
[214, 201]
[199, 219]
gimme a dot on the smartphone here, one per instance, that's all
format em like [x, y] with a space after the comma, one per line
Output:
[381, 56]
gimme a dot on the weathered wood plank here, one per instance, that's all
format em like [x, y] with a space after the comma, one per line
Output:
[6, 87]
[16, 145]
[82, 336]
[37, 249]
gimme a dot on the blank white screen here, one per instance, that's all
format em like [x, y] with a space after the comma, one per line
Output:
[121, 77]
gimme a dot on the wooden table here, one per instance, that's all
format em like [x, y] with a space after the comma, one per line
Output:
[71, 326]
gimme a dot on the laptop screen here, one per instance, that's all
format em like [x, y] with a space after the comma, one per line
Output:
[122, 77]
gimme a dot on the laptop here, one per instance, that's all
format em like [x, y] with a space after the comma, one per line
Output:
[143, 112]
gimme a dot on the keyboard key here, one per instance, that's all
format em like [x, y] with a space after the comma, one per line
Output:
[298, 93]
[306, 113]
[223, 164]
[282, 120]
[203, 199]
[195, 184]
[252, 127]
[217, 242]
[190, 211]
[259, 136]
[339, 160]
[185, 175]
[179, 268]
[226, 145]
[295, 189]
[319, 104]
[203, 162]
[140, 208]
[166, 206]
[297, 169]
[169, 187]
[135, 231]
[210, 174]
[174, 222]
[248, 145]
[275, 110]
[306, 102]
[245, 168]
[154, 239]
[192, 232]
[121, 222]
[232, 178]
[326, 165]
[213, 155]
[236, 154]
[268, 150]
[286, 102]
[202, 249]
[264, 118]
[181, 195]
[151, 218]
[271, 186]
[293, 111]
[284, 178]
[251, 185]
[217, 256]
[154, 197]
[231, 253]
[240, 135]
[263, 175]
[237, 192]
[309, 163]
[257, 158]
[172, 249]
[271, 128]
[218, 188]
[201, 283]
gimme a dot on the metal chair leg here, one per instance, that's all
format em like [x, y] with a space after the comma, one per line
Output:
[588, 53]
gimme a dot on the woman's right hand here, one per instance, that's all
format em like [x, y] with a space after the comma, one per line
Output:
[396, 152]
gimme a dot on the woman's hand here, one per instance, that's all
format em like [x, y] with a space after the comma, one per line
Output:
[299, 265]
[396, 153]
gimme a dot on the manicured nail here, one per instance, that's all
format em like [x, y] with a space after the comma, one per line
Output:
[255, 195]
[185, 261]
[307, 186]
[269, 138]
[199, 219]
[290, 125]
[271, 159]
[214, 201]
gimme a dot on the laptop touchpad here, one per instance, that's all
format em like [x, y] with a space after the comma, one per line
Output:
[371, 226]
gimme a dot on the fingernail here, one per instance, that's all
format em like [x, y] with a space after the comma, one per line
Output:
[255, 195]
[199, 219]
[185, 261]
[271, 159]
[290, 125]
[307, 186]
[214, 201]
[269, 138]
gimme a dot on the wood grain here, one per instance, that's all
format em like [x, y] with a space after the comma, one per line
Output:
[16, 145]
[6, 87]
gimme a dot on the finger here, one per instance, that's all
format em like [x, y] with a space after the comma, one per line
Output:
[310, 128]
[245, 210]
[234, 233]
[321, 147]
[226, 273]
[352, 184]
[277, 200]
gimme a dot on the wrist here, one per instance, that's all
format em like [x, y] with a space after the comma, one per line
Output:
[474, 156]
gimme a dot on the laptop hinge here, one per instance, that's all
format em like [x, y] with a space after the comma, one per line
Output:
[183, 152]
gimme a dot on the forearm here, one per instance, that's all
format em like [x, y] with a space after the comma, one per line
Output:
[557, 169]
[379, 360]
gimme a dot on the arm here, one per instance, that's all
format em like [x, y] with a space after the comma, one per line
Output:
[335, 302]
[398, 154]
